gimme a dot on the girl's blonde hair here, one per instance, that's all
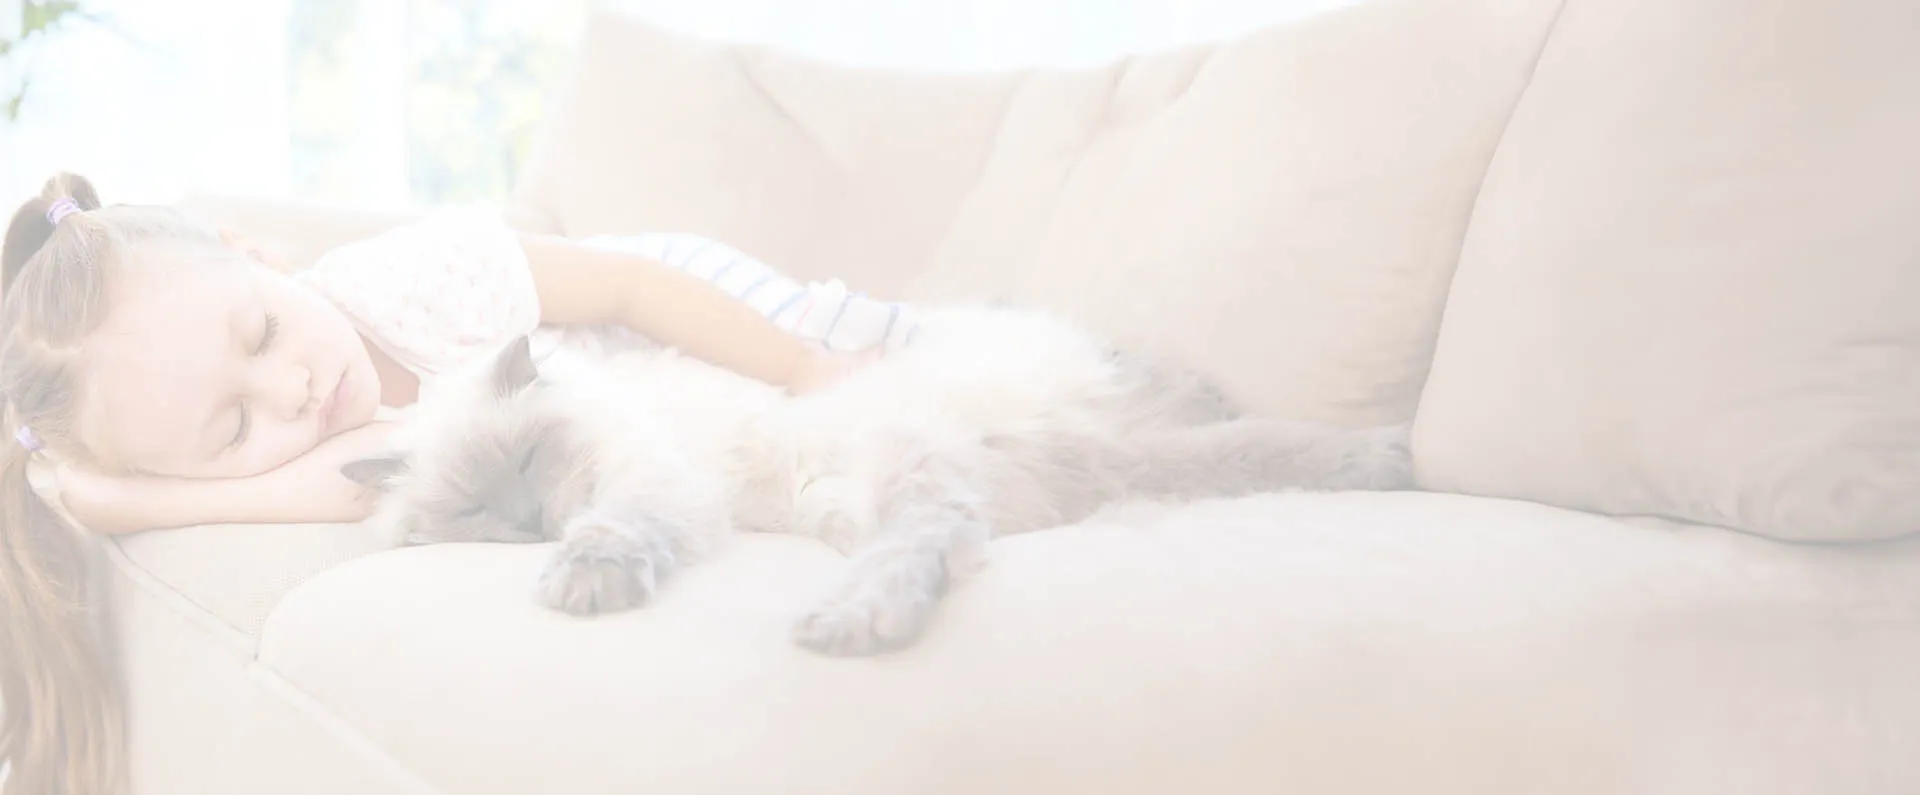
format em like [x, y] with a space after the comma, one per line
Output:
[60, 689]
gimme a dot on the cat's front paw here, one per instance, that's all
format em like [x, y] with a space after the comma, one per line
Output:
[883, 606]
[602, 568]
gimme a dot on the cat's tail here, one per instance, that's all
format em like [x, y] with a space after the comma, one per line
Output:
[1254, 455]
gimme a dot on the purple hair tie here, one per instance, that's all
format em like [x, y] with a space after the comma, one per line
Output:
[27, 438]
[61, 208]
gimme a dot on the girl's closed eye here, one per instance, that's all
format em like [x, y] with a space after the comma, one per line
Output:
[269, 330]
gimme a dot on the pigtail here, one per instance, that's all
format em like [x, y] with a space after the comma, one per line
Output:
[30, 228]
[71, 186]
[60, 692]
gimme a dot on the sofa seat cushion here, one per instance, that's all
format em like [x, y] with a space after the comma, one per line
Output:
[237, 573]
[1357, 643]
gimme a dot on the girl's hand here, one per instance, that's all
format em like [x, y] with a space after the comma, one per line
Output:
[820, 369]
[314, 482]
[92, 497]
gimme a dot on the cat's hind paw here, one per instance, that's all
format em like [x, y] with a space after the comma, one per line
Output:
[1386, 461]
[601, 568]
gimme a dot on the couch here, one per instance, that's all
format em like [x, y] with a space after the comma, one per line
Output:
[1644, 274]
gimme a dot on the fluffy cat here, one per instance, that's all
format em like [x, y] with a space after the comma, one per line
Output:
[993, 421]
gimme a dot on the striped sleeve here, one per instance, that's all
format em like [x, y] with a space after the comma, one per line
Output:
[826, 313]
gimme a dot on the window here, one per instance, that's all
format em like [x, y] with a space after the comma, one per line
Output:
[424, 101]
[390, 103]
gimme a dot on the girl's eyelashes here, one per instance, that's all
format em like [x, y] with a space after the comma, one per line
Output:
[268, 333]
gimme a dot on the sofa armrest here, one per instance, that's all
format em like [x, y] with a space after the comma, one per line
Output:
[300, 231]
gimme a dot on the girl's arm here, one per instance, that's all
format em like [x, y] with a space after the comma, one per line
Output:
[307, 489]
[585, 285]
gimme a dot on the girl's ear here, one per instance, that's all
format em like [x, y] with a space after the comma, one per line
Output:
[258, 253]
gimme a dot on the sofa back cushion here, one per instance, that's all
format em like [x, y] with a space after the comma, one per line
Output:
[1692, 283]
[1283, 210]
[826, 170]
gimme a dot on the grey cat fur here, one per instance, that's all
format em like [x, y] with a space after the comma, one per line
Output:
[994, 421]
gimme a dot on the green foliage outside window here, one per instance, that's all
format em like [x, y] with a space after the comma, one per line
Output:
[478, 80]
[37, 18]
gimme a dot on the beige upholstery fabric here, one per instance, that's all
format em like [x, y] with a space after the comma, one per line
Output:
[1282, 210]
[238, 572]
[825, 171]
[298, 231]
[203, 718]
[1353, 644]
[1692, 286]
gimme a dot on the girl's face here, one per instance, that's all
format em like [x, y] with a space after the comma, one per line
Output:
[225, 368]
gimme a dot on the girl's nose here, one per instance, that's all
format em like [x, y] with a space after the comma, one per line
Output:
[285, 390]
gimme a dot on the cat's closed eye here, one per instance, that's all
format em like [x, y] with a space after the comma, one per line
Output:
[534, 447]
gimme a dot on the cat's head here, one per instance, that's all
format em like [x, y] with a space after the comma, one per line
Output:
[483, 457]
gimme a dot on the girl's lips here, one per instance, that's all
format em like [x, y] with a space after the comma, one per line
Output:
[336, 404]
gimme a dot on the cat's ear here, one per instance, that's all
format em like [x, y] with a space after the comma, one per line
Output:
[375, 473]
[513, 370]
